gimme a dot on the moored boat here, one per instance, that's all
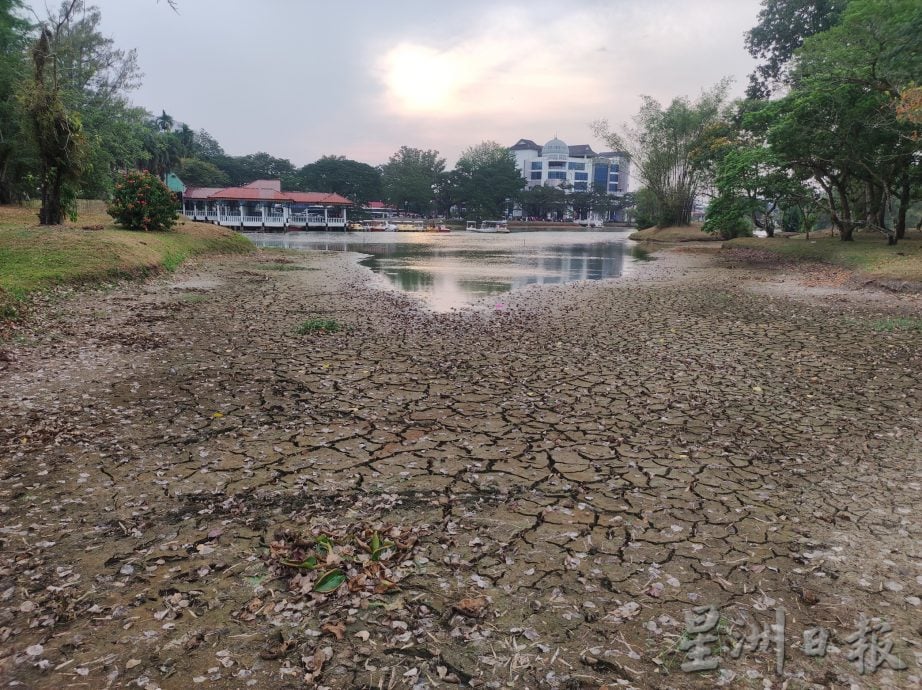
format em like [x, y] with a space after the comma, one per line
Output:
[490, 226]
[379, 225]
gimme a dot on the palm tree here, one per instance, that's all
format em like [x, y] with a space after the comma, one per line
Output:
[164, 122]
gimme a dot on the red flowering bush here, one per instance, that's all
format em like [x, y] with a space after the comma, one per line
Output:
[142, 202]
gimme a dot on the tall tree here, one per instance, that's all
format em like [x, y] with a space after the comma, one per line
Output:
[841, 122]
[665, 147]
[487, 179]
[410, 178]
[13, 67]
[356, 181]
[783, 26]
[57, 130]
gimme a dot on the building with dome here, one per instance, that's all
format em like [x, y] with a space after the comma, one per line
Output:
[575, 168]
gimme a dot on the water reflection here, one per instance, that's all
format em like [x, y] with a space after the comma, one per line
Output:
[454, 270]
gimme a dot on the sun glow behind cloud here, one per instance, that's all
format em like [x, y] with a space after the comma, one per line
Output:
[509, 57]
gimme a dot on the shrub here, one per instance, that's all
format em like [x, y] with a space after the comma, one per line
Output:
[142, 202]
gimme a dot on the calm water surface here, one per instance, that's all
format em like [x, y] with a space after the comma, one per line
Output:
[451, 270]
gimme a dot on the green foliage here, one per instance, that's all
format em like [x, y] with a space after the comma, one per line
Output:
[410, 178]
[57, 131]
[840, 125]
[486, 178]
[727, 217]
[142, 202]
[645, 209]
[16, 149]
[752, 183]
[358, 182]
[543, 202]
[318, 326]
[896, 324]
[783, 26]
[200, 173]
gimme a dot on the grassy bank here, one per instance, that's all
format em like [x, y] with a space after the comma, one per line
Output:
[686, 233]
[93, 249]
[867, 254]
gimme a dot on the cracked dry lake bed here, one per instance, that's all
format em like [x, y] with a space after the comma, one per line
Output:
[194, 495]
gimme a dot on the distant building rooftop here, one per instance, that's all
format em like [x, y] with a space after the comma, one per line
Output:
[525, 145]
[582, 151]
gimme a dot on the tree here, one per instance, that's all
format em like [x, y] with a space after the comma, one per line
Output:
[257, 166]
[356, 181]
[665, 147]
[57, 130]
[164, 122]
[95, 79]
[840, 123]
[14, 149]
[206, 147]
[486, 179]
[409, 178]
[783, 26]
[753, 183]
[199, 173]
[874, 48]
[543, 202]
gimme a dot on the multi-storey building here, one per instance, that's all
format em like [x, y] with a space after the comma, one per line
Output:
[575, 168]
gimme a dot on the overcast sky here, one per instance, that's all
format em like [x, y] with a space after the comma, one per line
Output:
[303, 78]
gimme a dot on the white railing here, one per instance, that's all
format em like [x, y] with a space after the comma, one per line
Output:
[298, 219]
[275, 221]
[211, 216]
[253, 220]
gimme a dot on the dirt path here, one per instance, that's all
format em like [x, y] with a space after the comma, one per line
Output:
[532, 497]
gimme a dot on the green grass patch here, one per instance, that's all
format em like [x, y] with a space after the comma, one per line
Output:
[35, 257]
[868, 253]
[896, 324]
[686, 233]
[318, 326]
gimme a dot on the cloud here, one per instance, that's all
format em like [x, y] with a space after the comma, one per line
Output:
[508, 56]
[538, 65]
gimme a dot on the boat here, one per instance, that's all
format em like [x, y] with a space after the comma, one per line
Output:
[589, 222]
[410, 226]
[378, 225]
[437, 227]
[490, 226]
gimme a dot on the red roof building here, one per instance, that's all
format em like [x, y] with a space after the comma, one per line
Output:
[262, 204]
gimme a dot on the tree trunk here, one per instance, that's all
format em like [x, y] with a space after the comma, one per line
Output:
[905, 191]
[846, 225]
[52, 211]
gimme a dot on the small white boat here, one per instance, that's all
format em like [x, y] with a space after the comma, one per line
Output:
[490, 226]
[589, 222]
[380, 225]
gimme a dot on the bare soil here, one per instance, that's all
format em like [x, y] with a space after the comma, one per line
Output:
[560, 482]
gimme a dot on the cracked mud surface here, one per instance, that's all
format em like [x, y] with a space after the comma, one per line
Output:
[585, 466]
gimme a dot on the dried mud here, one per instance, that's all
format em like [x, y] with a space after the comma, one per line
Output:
[580, 469]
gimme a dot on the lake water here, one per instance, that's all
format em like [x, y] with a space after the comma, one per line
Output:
[457, 269]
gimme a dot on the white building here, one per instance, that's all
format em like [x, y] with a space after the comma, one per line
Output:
[577, 168]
